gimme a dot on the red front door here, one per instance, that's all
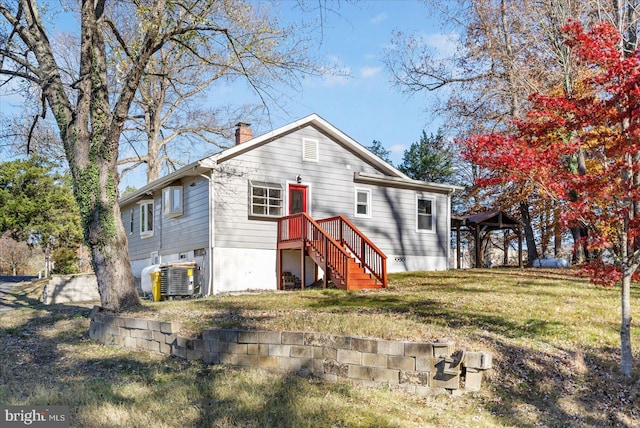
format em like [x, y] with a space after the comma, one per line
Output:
[297, 199]
[297, 204]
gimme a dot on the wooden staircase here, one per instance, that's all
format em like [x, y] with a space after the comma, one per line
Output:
[346, 256]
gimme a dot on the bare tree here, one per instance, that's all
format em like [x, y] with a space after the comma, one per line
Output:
[15, 257]
[504, 52]
[91, 122]
[168, 118]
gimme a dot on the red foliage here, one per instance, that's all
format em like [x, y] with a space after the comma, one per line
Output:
[603, 121]
[604, 274]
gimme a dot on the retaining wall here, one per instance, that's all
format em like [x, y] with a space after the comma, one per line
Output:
[418, 368]
[70, 289]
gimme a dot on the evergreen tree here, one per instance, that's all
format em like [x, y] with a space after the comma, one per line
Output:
[377, 149]
[37, 204]
[430, 159]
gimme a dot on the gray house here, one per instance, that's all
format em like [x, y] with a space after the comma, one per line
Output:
[297, 204]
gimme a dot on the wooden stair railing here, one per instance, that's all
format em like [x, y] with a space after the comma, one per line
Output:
[328, 253]
[326, 242]
[370, 256]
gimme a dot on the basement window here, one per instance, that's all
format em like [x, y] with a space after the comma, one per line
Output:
[172, 201]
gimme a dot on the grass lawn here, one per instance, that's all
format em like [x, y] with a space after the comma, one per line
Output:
[554, 337]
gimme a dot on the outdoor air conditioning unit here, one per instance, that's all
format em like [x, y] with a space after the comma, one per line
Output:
[178, 280]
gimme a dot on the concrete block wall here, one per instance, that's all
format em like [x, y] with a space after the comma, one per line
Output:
[418, 368]
[71, 289]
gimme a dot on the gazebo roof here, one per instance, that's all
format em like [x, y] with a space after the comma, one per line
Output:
[490, 220]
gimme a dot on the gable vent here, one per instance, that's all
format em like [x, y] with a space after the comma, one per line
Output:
[310, 151]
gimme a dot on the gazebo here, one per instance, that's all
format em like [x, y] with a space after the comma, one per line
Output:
[485, 222]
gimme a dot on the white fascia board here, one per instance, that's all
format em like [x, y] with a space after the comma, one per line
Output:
[404, 183]
[192, 169]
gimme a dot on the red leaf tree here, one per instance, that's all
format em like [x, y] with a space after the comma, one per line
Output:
[602, 120]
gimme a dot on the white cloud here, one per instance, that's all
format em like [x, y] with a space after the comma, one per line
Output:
[336, 73]
[443, 45]
[397, 148]
[369, 72]
[337, 79]
[378, 18]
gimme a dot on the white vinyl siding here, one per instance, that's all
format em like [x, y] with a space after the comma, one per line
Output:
[424, 214]
[146, 218]
[363, 203]
[266, 199]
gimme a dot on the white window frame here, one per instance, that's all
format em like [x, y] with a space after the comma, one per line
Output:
[172, 205]
[268, 199]
[433, 213]
[309, 146]
[145, 232]
[357, 203]
[131, 221]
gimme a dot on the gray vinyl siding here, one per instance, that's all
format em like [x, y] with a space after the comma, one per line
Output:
[172, 235]
[392, 226]
[189, 231]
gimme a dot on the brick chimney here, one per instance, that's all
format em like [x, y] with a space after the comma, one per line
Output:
[243, 133]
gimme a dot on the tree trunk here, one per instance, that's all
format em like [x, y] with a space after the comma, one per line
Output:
[107, 239]
[626, 355]
[579, 244]
[505, 247]
[557, 233]
[154, 163]
[532, 251]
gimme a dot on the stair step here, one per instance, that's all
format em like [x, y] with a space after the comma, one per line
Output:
[359, 275]
[358, 278]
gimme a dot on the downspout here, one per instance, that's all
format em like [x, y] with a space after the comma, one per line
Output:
[209, 178]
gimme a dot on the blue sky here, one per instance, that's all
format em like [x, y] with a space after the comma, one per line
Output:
[365, 105]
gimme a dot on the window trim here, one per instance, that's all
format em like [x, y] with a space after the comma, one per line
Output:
[356, 203]
[169, 199]
[131, 221]
[144, 233]
[269, 186]
[420, 197]
[316, 149]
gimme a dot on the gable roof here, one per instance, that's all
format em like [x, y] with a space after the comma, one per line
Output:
[393, 175]
[321, 125]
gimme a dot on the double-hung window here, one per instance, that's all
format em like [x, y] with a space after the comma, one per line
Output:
[146, 218]
[172, 201]
[363, 203]
[266, 199]
[425, 214]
